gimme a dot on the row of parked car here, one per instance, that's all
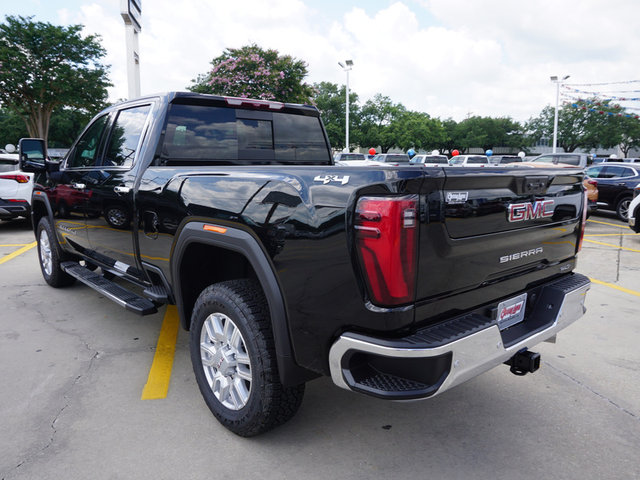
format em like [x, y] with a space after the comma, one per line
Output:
[610, 185]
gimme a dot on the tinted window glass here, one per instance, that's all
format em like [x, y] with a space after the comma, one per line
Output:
[299, 138]
[125, 136]
[8, 165]
[477, 160]
[86, 152]
[225, 135]
[616, 172]
[569, 159]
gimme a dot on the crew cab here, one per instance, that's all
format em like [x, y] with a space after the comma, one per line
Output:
[398, 282]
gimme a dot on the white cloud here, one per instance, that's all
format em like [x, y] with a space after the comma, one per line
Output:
[449, 58]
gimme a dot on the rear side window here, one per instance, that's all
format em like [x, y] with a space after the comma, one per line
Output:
[219, 135]
[8, 165]
[477, 160]
[569, 159]
[125, 136]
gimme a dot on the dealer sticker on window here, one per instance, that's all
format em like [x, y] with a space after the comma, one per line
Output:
[511, 311]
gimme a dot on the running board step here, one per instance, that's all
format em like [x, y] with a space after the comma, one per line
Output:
[109, 289]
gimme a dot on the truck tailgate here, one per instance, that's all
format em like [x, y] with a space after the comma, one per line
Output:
[488, 226]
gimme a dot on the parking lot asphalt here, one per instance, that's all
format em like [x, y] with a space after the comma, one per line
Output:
[74, 366]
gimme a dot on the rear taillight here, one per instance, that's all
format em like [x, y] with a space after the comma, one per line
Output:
[386, 231]
[585, 207]
[17, 177]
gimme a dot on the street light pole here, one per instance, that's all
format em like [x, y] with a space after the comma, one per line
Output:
[347, 68]
[555, 80]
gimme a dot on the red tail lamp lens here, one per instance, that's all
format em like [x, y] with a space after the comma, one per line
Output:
[17, 177]
[585, 207]
[386, 230]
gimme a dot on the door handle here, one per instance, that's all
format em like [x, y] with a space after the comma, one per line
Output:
[78, 186]
[120, 189]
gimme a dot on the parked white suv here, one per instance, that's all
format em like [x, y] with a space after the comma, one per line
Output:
[16, 187]
[634, 211]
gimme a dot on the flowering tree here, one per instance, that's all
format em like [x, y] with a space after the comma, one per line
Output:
[252, 72]
[44, 67]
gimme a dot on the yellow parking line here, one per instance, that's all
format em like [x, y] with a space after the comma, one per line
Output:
[160, 374]
[26, 248]
[611, 234]
[612, 245]
[14, 245]
[611, 285]
[610, 224]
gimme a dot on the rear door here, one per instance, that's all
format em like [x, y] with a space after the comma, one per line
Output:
[110, 210]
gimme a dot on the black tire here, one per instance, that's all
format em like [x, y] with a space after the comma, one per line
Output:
[245, 396]
[50, 256]
[622, 208]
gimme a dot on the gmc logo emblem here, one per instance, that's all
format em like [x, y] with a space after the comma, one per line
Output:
[520, 212]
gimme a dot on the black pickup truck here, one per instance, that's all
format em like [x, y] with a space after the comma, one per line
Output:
[398, 282]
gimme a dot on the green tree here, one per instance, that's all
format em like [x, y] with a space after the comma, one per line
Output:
[12, 128]
[449, 140]
[417, 130]
[629, 134]
[66, 124]
[585, 124]
[44, 67]
[330, 100]
[253, 72]
[379, 123]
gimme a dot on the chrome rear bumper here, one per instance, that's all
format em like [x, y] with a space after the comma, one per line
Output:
[355, 359]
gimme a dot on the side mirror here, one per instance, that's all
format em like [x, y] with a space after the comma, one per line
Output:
[32, 153]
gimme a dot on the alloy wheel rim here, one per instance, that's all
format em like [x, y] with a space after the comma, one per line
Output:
[45, 253]
[225, 361]
[624, 208]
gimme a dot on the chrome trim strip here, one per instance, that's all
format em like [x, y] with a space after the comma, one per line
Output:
[472, 355]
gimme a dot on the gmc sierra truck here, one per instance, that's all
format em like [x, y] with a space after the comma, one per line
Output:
[399, 282]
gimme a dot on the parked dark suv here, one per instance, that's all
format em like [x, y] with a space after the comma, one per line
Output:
[616, 182]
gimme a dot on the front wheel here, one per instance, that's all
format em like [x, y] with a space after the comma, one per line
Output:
[622, 209]
[234, 360]
[50, 256]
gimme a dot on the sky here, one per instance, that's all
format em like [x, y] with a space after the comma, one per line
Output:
[448, 58]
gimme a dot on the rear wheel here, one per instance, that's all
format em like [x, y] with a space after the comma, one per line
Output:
[622, 209]
[234, 360]
[50, 256]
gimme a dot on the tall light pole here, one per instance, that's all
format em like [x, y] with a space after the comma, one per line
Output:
[347, 68]
[131, 11]
[555, 80]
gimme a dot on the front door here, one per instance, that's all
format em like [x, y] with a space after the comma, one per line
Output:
[70, 189]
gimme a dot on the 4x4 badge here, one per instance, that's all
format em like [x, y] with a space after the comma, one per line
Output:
[332, 178]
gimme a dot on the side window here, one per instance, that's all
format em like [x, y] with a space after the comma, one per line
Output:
[612, 171]
[85, 153]
[125, 136]
[593, 172]
[299, 138]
